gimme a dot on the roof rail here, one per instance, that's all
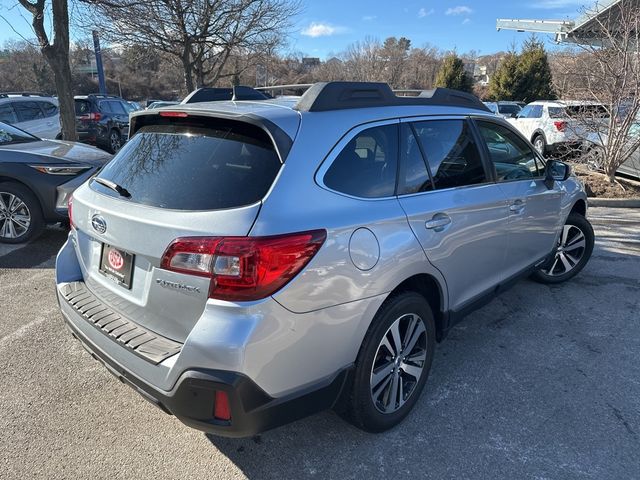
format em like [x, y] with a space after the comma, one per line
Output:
[25, 94]
[102, 95]
[298, 87]
[326, 96]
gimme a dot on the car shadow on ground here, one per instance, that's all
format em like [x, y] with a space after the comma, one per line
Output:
[38, 253]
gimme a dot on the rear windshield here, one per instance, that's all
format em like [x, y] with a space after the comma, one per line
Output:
[184, 167]
[82, 107]
[510, 109]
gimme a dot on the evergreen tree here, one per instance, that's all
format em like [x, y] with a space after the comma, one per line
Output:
[525, 77]
[534, 73]
[503, 84]
[452, 75]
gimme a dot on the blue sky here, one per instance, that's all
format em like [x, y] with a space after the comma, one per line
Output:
[326, 27]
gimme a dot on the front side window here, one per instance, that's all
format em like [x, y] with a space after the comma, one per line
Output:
[27, 111]
[536, 111]
[512, 158]
[452, 153]
[525, 112]
[366, 166]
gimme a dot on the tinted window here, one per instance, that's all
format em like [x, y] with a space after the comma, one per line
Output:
[366, 167]
[83, 107]
[49, 109]
[511, 156]
[117, 107]
[414, 176]
[7, 114]
[524, 113]
[105, 107]
[509, 109]
[27, 111]
[227, 164]
[452, 154]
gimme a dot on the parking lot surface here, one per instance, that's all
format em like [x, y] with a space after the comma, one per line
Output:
[544, 382]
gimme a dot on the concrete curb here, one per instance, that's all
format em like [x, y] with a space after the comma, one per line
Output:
[614, 202]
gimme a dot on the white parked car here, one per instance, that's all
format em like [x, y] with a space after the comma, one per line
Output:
[557, 126]
[35, 113]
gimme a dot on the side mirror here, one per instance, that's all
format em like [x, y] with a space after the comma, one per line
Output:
[557, 171]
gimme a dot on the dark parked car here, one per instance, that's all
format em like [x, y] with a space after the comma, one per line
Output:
[102, 120]
[37, 178]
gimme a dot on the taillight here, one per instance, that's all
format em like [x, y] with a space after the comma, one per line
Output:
[91, 116]
[560, 126]
[244, 268]
[70, 210]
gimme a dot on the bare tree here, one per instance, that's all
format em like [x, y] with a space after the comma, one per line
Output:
[57, 56]
[610, 67]
[202, 34]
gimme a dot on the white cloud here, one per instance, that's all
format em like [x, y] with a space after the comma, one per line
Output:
[466, 20]
[556, 4]
[317, 29]
[368, 18]
[459, 10]
[423, 12]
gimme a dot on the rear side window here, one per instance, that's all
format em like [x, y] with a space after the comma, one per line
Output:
[105, 107]
[452, 153]
[367, 166]
[414, 176]
[182, 167]
[7, 114]
[49, 109]
[117, 108]
[28, 111]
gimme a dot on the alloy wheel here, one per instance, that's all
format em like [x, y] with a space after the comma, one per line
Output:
[15, 217]
[399, 363]
[115, 141]
[570, 250]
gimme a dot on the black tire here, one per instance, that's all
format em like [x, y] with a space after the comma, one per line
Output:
[359, 407]
[540, 143]
[114, 141]
[33, 210]
[554, 264]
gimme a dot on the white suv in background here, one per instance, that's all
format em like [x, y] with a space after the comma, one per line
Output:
[32, 112]
[556, 126]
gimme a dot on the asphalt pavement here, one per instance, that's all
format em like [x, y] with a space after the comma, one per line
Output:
[542, 383]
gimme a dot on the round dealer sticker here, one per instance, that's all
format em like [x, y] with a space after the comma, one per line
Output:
[115, 260]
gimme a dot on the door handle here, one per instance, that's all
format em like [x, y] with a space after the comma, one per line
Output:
[517, 206]
[438, 222]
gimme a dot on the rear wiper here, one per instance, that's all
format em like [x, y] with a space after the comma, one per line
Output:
[123, 192]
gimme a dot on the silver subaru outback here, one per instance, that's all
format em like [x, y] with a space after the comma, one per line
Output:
[246, 263]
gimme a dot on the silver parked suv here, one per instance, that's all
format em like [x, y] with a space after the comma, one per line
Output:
[243, 264]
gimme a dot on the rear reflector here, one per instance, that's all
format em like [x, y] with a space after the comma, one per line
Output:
[244, 268]
[222, 411]
[173, 114]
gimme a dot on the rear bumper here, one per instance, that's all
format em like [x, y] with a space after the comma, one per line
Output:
[192, 399]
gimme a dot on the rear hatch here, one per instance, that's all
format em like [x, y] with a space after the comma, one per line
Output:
[85, 115]
[202, 177]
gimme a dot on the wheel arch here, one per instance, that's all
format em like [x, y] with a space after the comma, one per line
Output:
[34, 192]
[538, 133]
[429, 287]
[580, 206]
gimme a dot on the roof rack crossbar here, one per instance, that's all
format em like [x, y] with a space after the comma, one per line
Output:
[326, 96]
[25, 94]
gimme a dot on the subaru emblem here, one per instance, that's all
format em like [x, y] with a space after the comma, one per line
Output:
[99, 224]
